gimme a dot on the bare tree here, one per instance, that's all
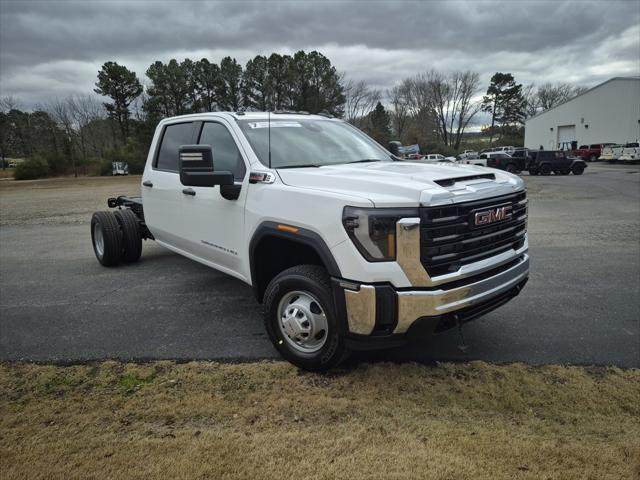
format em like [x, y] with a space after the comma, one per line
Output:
[399, 99]
[360, 101]
[448, 100]
[551, 95]
[548, 95]
[8, 103]
[61, 111]
[532, 104]
[84, 109]
[466, 86]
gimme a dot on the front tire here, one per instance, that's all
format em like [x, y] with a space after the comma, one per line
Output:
[301, 320]
[106, 238]
[545, 169]
[577, 169]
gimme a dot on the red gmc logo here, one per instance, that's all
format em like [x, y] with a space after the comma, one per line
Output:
[487, 217]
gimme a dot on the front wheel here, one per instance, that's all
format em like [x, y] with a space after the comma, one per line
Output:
[545, 169]
[577, 169]
[511, 168]
[593, 158]
[301, 320]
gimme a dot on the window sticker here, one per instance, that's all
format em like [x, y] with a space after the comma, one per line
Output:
[273, 124]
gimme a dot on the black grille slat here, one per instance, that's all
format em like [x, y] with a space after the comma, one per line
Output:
[448, 241]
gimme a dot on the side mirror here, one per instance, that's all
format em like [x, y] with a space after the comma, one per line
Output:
[195, 163]
[394, 148]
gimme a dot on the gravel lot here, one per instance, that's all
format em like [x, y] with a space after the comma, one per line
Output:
[581, 305]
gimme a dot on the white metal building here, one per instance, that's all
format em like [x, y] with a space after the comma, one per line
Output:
[609, 112]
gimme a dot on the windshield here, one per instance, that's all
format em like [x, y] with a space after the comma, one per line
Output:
[310, 142]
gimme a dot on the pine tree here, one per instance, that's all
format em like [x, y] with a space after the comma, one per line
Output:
[380, 125]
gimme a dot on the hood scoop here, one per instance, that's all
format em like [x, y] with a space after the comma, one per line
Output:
[450, 182]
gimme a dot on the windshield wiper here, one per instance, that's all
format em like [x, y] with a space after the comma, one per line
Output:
[307, 165]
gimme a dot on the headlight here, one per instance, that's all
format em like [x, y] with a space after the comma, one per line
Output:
[373, 230]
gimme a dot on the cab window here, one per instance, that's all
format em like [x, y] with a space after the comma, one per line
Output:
[172, 138]
[226, 156]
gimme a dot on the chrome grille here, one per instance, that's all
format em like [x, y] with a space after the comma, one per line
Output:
[449, 240]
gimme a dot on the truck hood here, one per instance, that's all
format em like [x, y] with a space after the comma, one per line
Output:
[394, 184]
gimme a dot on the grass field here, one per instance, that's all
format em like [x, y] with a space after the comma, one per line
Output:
[60, 200]
[268, 420]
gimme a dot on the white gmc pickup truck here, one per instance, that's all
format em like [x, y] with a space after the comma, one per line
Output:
[345, 245]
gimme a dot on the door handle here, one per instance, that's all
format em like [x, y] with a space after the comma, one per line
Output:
[147, 183]
[189, 191]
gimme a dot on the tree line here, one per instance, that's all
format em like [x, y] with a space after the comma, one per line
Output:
[81, 134]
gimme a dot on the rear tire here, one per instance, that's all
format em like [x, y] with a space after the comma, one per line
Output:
[303, 293]
[577, 169]
[593, 158]
[545, 169]
[106, 238]
[131, 235]
[511, 168]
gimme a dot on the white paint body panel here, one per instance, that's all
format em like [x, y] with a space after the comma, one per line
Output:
[309, 198]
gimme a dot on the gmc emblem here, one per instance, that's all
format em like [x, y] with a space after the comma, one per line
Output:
[486, 217]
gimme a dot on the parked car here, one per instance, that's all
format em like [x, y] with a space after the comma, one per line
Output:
[468, 154]
[611, 153]
[500, 160]
[508, 149]
[591, 152]
[544, 162]
[509, 163]
[119, 168]
[345, 247]
[480, 160]
[630, 153]
[437, 157]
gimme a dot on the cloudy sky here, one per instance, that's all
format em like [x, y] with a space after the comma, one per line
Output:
[55, 48]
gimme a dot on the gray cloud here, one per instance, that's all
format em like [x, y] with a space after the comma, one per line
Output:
[56, 47]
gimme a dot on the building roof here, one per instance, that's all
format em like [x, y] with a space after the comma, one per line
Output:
[636, 79]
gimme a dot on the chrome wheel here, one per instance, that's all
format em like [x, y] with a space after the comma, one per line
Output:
[98, 239]
[302, 322]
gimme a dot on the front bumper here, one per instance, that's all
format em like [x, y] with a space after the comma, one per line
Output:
[380, 315]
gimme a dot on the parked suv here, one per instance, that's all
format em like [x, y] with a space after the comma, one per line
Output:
[591, 152]
[544, 162]
[345, 247]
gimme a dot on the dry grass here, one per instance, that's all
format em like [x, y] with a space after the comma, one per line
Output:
[60, 200]
[270, 421]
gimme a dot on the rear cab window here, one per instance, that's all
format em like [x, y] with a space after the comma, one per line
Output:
[173, 137]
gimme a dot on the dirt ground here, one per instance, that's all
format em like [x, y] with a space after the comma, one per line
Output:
[60, 200]
[268, 420]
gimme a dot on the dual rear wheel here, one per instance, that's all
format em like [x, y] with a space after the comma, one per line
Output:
[116, 237]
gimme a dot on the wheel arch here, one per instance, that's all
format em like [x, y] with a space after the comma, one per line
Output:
[301, 246]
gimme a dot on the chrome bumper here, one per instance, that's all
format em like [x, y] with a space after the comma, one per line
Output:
[415, 304]
[361, 302]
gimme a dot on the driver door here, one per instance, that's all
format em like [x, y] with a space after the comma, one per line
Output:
[214, 225]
